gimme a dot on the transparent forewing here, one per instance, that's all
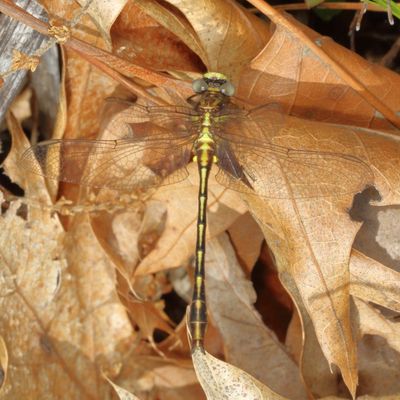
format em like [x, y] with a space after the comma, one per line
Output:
[123, 165]
[249, 161]
[145, 146]
[178, 120]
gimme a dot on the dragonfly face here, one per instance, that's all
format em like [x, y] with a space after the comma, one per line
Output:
[215, 90]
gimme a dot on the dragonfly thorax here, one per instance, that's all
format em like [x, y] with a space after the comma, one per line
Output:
[212, 102]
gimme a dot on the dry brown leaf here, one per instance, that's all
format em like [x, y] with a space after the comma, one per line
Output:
[248, 343]
[53, 328]
[229, 35]
[311, 238]
[32, 262]
[174, 22]
[247, 239]
[302, 342]
[312, 246]
[315, 78]
[148, 318]
[370, 281]
[85, 86]
[222, 381]
[149, 22]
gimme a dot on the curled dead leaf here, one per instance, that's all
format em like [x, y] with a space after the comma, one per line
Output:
[104, 14]
[122, 393]
[248, 343]
[222, 381]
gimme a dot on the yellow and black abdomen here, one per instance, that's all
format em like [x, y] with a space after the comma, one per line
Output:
[205, 152]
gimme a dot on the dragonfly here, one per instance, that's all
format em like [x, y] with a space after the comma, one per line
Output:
[158, 142]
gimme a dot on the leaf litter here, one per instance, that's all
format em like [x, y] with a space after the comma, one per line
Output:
[311, 238]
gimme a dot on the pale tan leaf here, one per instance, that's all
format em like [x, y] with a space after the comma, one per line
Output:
[379, 350]
[395, 397]
[372, 281]
[104, 13]
[33, 185]
[3, 363]
[31, 265]
[378, 366]
[122, 393]
[95, 280]
[163, 377]
[178, 241]
[21, 106]
[372, 322]
[118, 234]
[389, 228]
[222, 381]
[248, 343]
[44, 273]
[52, 325]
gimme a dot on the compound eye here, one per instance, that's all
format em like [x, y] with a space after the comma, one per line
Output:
[227, 89]
[199, 85]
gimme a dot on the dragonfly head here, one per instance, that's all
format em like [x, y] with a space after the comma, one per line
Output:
[214, 89]
[214, 82]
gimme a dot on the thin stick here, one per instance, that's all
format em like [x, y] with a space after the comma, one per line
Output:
[388, 58]
[328, 6]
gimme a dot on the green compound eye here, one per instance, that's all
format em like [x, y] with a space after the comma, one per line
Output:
[227, 89]
[199, 85]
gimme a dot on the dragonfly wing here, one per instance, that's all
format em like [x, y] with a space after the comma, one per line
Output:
[291, 175]
[124, 165]
[249, 162]
[179, 120]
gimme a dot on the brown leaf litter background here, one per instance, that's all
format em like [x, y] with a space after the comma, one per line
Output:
[84, 294]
